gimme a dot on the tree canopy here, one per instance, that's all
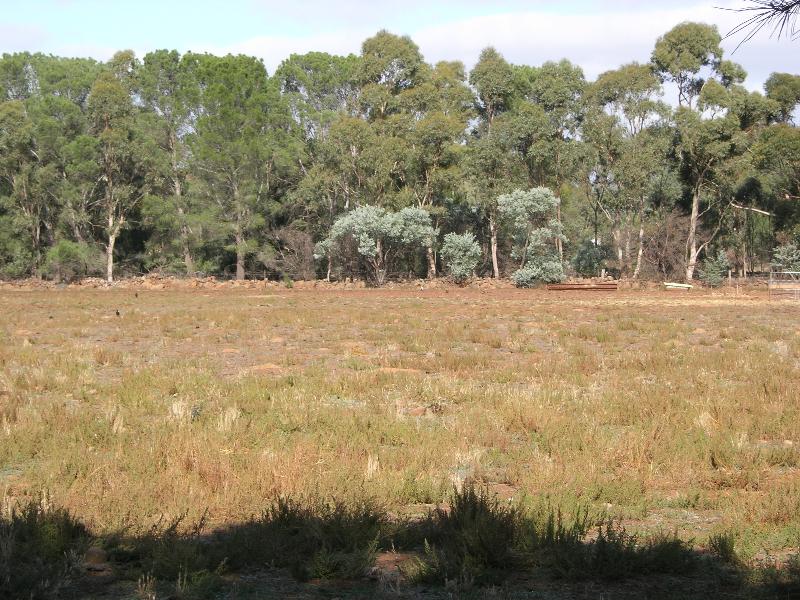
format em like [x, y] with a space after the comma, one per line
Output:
[392, 166]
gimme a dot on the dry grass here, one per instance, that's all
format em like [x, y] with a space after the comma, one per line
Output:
[665, 411]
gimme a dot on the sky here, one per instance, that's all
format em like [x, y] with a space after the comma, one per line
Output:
[598, 35]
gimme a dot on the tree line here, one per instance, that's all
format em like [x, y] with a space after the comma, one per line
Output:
[381, 164]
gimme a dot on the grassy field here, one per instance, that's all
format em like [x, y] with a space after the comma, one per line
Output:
[675, 417]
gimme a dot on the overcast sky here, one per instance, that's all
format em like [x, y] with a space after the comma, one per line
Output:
[597, 35]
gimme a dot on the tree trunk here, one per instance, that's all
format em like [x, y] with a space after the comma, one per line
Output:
[639, 252]
[112, 239]
[559, 243]
[493, 238]
[188, 260]
[239, 239]
[239, 254]
[431, 262]
[380, 264]
[691, 241]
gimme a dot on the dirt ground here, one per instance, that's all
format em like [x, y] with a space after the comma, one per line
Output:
[668, 410]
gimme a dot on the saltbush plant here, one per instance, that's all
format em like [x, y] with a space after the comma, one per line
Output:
[787, 257]
[715, 269]
[530, 216]
[461, 254]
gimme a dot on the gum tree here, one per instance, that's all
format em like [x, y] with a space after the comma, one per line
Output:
[379, 236]
[531, 217]
[120, 158]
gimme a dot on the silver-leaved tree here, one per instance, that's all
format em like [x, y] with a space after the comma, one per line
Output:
[531, 218]
[378, 237]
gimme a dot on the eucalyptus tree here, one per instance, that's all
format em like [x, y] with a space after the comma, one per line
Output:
[241, 150]
[555, 152]
[437, 113]
[390, 65]
[167, 87]
[685, 56]
[489, 164]
[492, 77]
[379, 236]
[784, 88]
[629, 151]
[121, 158]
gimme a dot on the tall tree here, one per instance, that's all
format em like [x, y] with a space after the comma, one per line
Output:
[168, 88]
[682, 54]
[121, 158]
[493, 80]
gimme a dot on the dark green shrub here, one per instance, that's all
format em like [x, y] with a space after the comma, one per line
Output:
[67, 261]
[472, 542]
[715, 269]
[40, 549]
[590, 258]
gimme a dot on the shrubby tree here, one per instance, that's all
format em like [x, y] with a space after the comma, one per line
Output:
[67, 261]
[379, 236]
[590, 258]
[714, 269]
[787, 257]
[683, 54]
[784, 88]
[461, 253]
[530, 216]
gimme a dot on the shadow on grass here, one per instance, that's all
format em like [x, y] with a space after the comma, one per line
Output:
[476, 542]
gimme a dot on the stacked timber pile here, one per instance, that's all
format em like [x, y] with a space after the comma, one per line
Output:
[588, 287]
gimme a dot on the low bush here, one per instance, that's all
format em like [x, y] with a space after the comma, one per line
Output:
[40, 549]
[539, 270]
[461, 254]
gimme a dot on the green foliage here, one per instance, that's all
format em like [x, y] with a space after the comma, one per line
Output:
[682, 52]
[784, 88]
[714, 270]
[472, 542]
[461, 254]
[40, 549]
[68, 261]
[787, 257]
[380, 235]
[590, 258]
[539, 269]
[723, 547]
[186, 162]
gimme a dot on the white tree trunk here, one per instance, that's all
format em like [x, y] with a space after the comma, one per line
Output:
[431, 262]
[691, 242]
[493, 239]
[639, 252]
[112, 239]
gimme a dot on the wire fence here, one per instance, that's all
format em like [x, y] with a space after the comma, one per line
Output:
[784, 284]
